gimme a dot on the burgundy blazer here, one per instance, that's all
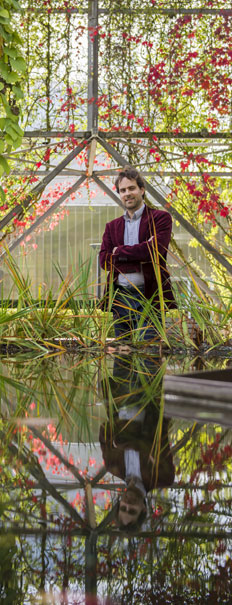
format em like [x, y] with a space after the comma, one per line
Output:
[132, 437]
[142, 256]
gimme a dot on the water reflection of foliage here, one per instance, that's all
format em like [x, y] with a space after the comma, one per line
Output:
[183, 552]
[65, 393]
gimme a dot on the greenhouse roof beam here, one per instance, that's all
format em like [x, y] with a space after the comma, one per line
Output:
[225, 12]
[117, 134]
[18, 530]
[113, 172]
[171, 12]
[92, 111]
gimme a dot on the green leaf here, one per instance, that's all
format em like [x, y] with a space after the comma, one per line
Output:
[2, 194]
[4, 166]
[16, 5]
[1, 85]
[3, 21]
[17, 142]
[4, 13]
[17, 129]
[4, 34]
[7, 27]
[10, 130]
[9, 140]
[2, 145]
[11, 52]
[10, 116]
[18, 93]
[16, 38]
[12, 77]
[4, 71]
[2, 123]
[3, 99]
[18, 64]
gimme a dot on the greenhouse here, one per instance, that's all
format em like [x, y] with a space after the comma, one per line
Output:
[116, 301]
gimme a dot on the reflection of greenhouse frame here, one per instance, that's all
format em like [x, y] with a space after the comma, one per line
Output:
[81, 528]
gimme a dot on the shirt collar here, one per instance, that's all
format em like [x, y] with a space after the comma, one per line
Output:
[136, 215]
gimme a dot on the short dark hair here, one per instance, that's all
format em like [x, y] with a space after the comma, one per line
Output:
[132, 174]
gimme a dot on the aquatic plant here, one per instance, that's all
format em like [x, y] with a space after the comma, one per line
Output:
[73, 313]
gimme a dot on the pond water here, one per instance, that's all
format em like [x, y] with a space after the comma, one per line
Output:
[114, 490]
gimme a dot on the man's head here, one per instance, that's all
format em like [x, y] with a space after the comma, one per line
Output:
[131, 188]
[132, 507]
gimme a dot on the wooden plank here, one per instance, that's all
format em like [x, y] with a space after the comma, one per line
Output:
[203, 389]
[90, 506]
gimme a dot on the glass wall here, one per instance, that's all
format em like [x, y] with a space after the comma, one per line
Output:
[72, 241]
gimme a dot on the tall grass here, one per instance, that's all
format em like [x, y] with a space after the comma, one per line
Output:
[73, 313]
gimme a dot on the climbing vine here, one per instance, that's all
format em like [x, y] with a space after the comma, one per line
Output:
[12, 70]
[164, 74]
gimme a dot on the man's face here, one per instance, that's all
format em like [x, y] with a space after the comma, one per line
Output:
[131, 195]
[130, 507]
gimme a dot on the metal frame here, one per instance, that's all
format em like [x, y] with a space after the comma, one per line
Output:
[86, 526]
[93, 136]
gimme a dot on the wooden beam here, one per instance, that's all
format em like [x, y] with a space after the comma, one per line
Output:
[90, 510]
[92, 155]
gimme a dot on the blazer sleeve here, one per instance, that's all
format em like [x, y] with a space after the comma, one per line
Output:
[106, 250]
[144, 251]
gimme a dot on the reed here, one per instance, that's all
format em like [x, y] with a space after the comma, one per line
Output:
[72, 313]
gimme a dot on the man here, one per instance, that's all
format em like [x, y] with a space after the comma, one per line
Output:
[130, 437]
[134, 249]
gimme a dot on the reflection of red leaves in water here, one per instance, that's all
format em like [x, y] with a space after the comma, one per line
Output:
[221, 548]
[213, 458]
[157, 512]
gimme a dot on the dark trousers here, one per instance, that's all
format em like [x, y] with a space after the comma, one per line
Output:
[129, 315]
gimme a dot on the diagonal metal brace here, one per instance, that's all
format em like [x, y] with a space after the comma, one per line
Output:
[46, 214]
[163, 202]
[43, 183]
[107, 190]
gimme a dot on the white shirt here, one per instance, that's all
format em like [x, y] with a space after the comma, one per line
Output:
[131, 457]
[131, 237]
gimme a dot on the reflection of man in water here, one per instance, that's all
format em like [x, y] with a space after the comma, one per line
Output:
[134, 445]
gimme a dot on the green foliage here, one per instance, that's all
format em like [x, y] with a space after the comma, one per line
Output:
[9, 589]
[72, 314]
[12, 69]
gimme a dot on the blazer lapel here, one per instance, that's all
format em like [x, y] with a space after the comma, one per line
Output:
[120, 231]
[146, 228]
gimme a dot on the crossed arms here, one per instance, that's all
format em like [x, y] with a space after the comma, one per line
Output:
[112, 254]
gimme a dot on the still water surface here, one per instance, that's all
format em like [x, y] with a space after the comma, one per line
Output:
[112, 490]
